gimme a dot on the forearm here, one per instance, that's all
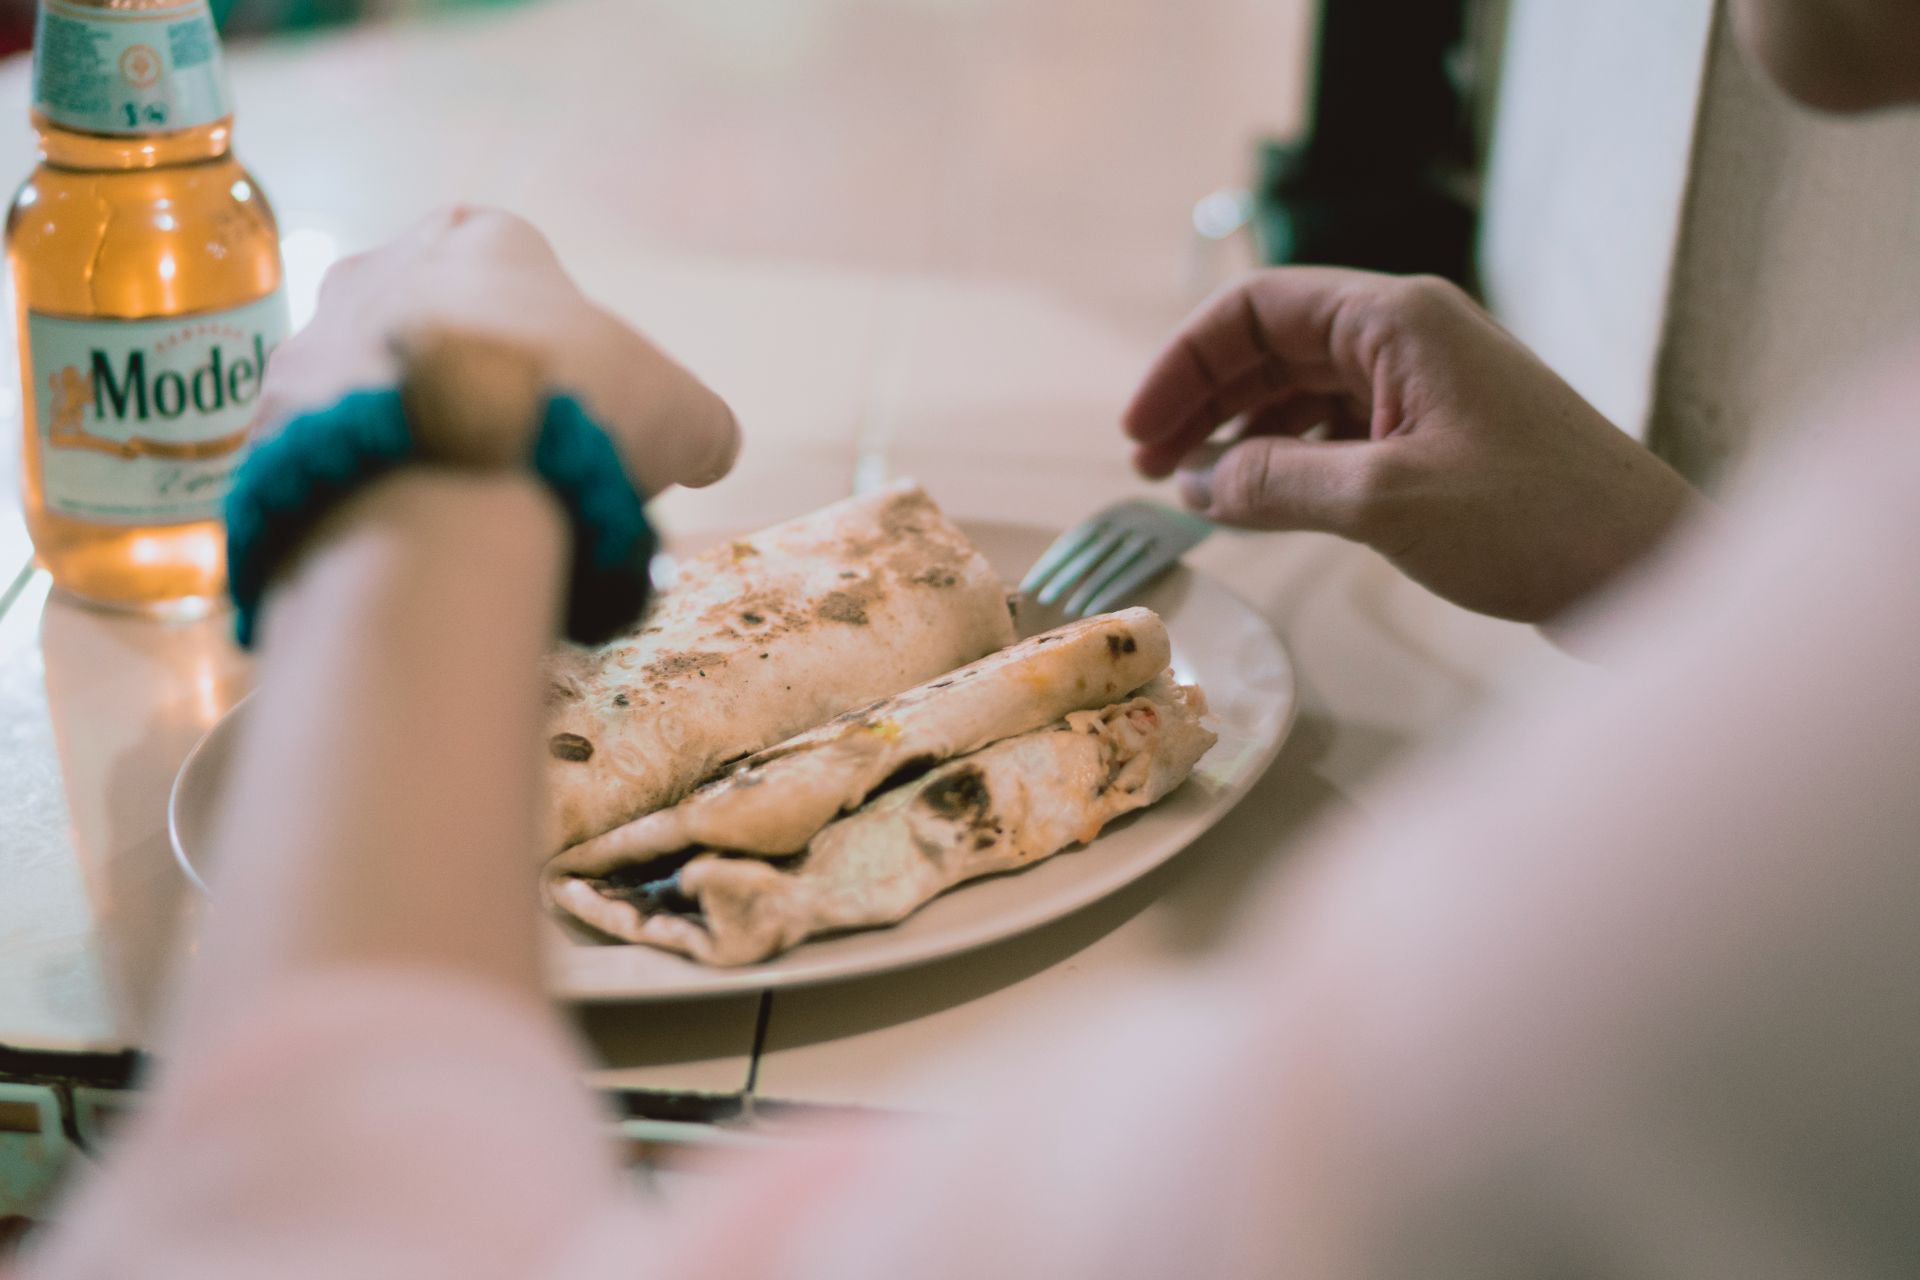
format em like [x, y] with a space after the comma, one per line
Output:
[383, 804]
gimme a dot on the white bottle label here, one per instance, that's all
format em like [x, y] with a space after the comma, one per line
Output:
[145, 421]
[128, 71]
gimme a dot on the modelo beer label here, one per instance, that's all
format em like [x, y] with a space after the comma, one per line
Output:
[145, 421]
[128, 71]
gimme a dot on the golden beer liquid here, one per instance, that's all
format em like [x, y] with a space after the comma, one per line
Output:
[133, 228]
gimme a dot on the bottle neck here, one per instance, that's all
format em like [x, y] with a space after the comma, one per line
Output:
[129, 84]
[71, 149]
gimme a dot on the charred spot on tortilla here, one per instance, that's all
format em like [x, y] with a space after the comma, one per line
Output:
[1119, 644]
[668, 665]
[765, 606]
[905, 513]
[843, 606]
[669, 898]
[653, 886]
[910, 770]
[648, 870]
[927, 564]
[622, 700]
[570, 746]
[961, 796]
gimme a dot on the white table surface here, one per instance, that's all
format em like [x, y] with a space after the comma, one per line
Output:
[917, 295]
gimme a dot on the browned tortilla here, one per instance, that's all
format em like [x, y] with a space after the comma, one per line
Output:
[775, 800]
[758, 640]
[1002, 808]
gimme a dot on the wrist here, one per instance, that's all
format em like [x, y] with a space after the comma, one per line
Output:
[401, 543]
[462, 514]
[296, 480]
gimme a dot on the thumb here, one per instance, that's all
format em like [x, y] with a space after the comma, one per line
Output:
[1276, 482]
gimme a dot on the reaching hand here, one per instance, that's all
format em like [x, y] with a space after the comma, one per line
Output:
[1393, 411]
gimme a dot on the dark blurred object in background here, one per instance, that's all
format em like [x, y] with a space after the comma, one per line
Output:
[1383, 178]
[16, 26]
[253, 17]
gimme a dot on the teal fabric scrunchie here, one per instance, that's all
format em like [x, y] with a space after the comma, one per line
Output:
[292, 480]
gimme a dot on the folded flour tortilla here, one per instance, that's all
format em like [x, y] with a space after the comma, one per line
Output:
[773, 802]
[758, 640]
[999, 809]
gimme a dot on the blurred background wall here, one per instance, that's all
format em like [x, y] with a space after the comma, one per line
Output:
[1586, 179]
[1696, 255]
[1798, 263]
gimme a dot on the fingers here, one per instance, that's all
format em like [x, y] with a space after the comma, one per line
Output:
[1300, 414]
[1186, 389]
[1218, 365]
[1260, 341]
[688, 435]
[1275, 482]
[1293, 414]
[494, 235]
[1253, 391]
[479, 230]
[670, 427]
[494, 276]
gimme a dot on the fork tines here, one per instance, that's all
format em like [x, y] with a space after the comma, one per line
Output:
[1104, 559]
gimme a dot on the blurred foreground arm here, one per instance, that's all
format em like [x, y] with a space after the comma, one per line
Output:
[374, 897]
[1621, 987]
[383, 802]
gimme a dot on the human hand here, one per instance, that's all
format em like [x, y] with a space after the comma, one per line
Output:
[491, 279]
[1442, 442]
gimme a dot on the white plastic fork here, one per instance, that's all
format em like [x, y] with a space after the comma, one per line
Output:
[1110, 556]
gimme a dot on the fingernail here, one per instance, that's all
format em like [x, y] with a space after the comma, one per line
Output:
[726, 451]
[1195, 476]
[1196, 487]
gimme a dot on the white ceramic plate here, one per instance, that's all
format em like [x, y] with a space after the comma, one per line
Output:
[1218, 641]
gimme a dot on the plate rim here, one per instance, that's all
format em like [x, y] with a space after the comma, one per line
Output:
[709, 982]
